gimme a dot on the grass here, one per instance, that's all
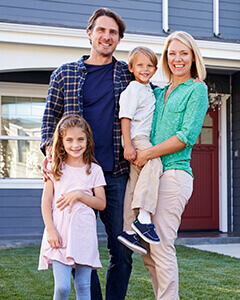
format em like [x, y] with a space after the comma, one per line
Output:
[203, 275]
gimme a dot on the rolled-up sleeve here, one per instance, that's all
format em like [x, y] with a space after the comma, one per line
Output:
[194, 115]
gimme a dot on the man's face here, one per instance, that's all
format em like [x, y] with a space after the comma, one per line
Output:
[104, 36]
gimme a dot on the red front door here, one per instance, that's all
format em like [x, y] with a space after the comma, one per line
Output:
[202, 211]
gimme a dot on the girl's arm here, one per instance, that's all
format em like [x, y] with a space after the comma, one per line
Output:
[171, 145]
[53, 237]
[129, 151]
[98, 201]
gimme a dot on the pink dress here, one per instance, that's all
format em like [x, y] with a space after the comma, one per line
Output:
[78, 228]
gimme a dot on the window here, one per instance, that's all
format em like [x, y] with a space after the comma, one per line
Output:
[22, 107]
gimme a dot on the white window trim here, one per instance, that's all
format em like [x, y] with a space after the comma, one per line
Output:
[22, 90]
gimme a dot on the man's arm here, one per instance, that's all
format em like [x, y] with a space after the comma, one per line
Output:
[53, 110]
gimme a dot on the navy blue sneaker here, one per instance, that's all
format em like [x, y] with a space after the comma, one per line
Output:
[146, 232]
[132, 241]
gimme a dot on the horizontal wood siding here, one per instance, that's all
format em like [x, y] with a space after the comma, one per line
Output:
[230, 19]
[236, 147]
[141, 16]
[193, 16]
[20, 212]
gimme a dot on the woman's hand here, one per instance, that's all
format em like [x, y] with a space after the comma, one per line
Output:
[141, 159]
[68, 199]
[54, 239]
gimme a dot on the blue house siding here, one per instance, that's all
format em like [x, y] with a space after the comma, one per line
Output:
[20, 212]
[146, 14]
[236, 147]
[230, 19]
[193, 16]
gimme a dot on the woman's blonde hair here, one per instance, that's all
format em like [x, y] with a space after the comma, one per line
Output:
[58, 150]
[144, 50]
[198, 67]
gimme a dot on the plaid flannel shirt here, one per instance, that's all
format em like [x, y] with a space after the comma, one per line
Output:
[65, 96]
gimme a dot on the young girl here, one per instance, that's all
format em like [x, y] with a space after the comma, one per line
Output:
[70, 238]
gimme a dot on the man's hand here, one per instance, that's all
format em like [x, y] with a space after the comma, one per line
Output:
[130, 153]
[46, 160]
[68, 199]
[54, 239]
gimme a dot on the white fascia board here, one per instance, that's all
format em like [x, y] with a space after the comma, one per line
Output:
[21, 183]
[77, 38]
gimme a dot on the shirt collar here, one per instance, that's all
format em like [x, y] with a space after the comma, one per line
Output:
[82, 66]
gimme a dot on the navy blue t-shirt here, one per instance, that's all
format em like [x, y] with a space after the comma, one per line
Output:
[98, 110]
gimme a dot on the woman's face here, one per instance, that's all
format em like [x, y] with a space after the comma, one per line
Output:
[180, 59]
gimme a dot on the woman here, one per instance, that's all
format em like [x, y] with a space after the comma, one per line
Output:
[179, 113]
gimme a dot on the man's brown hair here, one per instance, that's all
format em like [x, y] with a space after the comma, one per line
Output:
[109, 13]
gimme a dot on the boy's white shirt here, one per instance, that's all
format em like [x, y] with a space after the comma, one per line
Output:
[137, 103]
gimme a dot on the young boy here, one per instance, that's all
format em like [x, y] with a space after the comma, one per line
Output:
[137, 103]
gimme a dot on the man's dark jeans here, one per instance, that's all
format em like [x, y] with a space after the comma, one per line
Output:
[120, 264]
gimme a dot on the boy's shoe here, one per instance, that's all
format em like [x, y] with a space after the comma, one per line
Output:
[146, 232]
[132, 241]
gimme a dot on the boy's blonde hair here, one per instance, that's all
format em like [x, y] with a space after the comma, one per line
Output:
[58, 150]
[198, 67]
[144, 50]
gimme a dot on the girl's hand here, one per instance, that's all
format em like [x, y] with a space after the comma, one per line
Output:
[130, 153]
[68, 199]
[141, 159]
[54, 239]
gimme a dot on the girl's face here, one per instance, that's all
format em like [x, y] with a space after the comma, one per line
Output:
[180, 59]
[142, 68]
[75, 143]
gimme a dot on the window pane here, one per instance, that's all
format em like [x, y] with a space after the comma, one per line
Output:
[207, 136]
[207, 121]
[20, 159]
[22, 116]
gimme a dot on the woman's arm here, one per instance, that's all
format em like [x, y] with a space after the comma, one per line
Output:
[98, 201]
[190, 129]
[171, 145]
[53, 237]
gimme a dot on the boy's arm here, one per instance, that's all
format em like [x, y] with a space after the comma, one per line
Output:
[53, 237]
[129, 151]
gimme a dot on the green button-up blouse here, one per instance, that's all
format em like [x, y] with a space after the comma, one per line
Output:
[182, 115]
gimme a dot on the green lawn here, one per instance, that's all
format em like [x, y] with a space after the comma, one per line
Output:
[203, 275]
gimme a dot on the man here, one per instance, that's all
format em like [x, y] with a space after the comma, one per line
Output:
[91, 87]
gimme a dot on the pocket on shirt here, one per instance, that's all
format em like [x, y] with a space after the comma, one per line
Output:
[176, 114]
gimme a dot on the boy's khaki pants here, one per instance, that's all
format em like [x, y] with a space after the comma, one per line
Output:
[175, 189]
[142, 186]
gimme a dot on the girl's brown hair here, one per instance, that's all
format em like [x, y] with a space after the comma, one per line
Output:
[59, 153]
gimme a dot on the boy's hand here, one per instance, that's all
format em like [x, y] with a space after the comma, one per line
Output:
[54, 239]
[130, 153]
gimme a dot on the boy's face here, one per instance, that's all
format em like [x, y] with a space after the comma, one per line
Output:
[142, 68]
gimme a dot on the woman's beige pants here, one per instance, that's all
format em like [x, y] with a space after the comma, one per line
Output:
[175, 189]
